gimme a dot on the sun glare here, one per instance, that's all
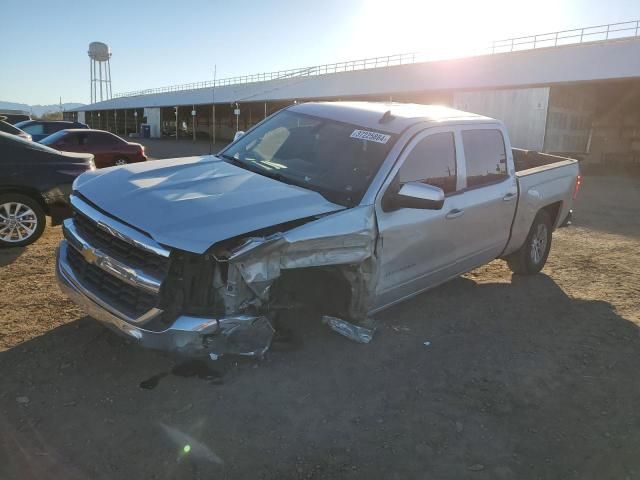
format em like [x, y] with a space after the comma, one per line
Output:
[438, 29]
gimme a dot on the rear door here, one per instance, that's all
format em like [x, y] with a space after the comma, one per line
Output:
[487, 203]
[101, 149]
[416, 245]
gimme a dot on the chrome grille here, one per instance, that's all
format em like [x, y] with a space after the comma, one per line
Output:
[127, 299]
[118, 265]
[134, 257]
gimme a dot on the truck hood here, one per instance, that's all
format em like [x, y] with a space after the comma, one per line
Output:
[192, 203]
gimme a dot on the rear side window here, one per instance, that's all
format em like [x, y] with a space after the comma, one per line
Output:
[485, 156]
[70, 139]
[432, 161]
[101, 139]
[54, 127]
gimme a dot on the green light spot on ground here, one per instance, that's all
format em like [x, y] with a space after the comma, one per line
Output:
[186, 449]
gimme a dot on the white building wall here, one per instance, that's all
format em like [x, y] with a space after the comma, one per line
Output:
[81, 117]
[153, 119]
[571, 111]
[543, 66]
[523, 111]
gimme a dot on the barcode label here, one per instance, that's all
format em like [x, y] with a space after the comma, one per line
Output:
[373, 136]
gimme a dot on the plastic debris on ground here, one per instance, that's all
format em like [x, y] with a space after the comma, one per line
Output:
[354, 332]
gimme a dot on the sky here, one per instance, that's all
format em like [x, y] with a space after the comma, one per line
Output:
[156, 43]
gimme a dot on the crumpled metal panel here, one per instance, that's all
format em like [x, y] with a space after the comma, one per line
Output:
[357, 333]
[241, 335]
[346, 237]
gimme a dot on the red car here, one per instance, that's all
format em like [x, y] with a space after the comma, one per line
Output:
[107, 148]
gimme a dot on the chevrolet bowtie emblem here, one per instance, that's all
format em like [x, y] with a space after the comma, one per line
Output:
[89, 255]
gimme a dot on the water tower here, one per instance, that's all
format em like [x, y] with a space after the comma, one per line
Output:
[99, 55]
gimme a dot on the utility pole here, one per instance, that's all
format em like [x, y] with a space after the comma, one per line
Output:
[213, 112]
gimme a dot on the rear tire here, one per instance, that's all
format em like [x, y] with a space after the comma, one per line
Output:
[532, 256]
[121, 161]
[22, 220]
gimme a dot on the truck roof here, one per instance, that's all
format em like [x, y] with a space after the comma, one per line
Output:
[402, 115]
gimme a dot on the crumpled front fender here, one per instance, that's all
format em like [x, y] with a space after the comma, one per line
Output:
[343, 238]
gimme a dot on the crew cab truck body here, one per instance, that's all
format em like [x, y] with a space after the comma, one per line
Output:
[349, 207]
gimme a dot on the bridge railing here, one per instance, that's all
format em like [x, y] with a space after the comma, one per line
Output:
[568, 37]
[554, 39]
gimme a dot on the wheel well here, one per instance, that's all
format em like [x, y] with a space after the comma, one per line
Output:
[323, 289]
[30, 192]
[553, 210]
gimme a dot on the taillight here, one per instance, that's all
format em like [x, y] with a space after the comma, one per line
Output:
[577, 187]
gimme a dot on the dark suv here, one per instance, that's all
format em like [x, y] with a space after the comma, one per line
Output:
[39, 129]
[35, 181]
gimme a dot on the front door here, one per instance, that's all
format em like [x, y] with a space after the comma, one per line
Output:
[415, 244]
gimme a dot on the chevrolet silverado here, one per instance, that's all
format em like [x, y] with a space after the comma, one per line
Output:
[349, 207]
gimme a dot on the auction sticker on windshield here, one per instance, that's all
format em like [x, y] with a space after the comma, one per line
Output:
[373, 136]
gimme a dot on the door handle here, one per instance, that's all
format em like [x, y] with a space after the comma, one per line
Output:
[508, 197]
[455, 213]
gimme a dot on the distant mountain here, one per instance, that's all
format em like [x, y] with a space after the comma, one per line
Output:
[38, 110]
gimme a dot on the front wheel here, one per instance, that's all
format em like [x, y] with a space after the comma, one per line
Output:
[532, 256]
[22, 220]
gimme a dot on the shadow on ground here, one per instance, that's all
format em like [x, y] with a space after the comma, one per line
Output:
[518, 381]
[9, 255]
[609, 204]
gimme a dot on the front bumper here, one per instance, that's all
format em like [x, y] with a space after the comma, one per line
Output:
[194, 336]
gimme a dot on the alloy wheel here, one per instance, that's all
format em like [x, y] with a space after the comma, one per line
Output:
[539, 243]
[18, 222]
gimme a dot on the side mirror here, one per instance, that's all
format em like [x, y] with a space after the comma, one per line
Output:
[238, 135]
[419, 195]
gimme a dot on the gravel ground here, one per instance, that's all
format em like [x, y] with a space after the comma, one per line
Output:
[522, 378]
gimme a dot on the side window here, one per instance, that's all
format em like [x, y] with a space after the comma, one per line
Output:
[69, 139]
[485, 156]
[101, 139]
[432, 161]
[54, 127]
[34, 129]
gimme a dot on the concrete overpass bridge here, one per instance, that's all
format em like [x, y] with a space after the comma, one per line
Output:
[574, 92]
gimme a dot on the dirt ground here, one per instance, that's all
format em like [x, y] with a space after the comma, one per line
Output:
[523, 378]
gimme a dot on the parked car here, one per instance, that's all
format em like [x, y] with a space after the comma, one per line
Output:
[8, 128]
[107, 148]
[39, 129]
[35, 181]
[348, 207]
[15, 116]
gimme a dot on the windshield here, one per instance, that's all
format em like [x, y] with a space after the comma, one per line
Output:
[336, 159]
[53, 138]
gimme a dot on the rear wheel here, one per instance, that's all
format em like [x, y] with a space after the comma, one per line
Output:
[121, 161]
[22, 220]
[532, 256]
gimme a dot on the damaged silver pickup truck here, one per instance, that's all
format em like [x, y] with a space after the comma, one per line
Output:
[346, 207]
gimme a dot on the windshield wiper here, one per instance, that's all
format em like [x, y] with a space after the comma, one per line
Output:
[235, 161]
[254, 167]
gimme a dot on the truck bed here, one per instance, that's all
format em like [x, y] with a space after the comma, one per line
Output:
[530, 159]
[543, 180]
